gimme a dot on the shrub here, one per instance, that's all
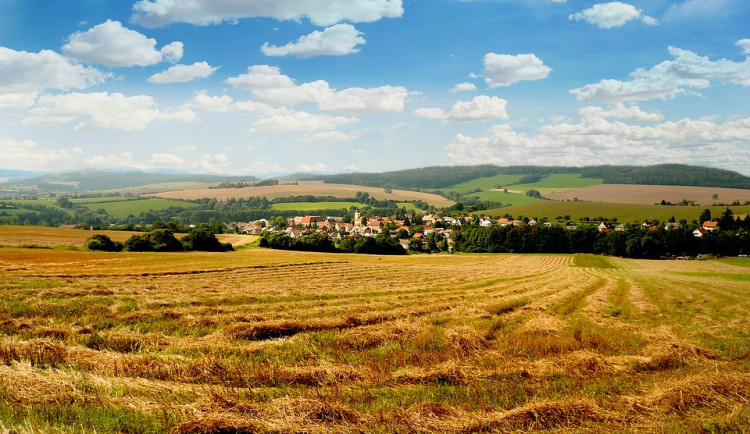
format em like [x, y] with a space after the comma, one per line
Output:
[103, 243]
[204, 240]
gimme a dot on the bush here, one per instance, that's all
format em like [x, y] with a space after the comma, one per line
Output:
[103, 243]
[204, 240]
[158, 240]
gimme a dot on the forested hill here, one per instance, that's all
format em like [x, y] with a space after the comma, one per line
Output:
[100, 180]
[442, 177]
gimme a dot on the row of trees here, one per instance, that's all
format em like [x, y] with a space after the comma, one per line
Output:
[442, 177]
[636, 242]
[161, 239]
[381, 244]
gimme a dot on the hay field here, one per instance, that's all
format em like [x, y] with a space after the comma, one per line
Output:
[274, 341]
[315, 188]
[651, 194]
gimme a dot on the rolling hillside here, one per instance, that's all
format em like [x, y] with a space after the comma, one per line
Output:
[445, 177]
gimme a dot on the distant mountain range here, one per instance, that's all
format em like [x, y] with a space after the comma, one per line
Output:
[92, 180]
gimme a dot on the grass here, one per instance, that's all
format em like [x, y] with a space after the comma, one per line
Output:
[121, 207]
[505, 198]
[484, 183]
[315, 188]
[625, 213]
[557, 182]
[276, 341]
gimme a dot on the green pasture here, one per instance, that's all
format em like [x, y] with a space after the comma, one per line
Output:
[558, 182]
[484, 183]
[123, 208]
[625, 213]
[85, 201]
[504, 198]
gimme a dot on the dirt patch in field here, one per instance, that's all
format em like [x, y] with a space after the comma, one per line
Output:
[651, 194]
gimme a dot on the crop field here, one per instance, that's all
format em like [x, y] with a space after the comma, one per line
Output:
[558, 182]
[505, 198]
[487, 183]
[278, 341]
[123, 207]
[651, 194]
[315, 188]
[624, 212]
[312, 206]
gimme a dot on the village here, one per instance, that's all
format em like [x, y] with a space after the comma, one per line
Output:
[422, 231]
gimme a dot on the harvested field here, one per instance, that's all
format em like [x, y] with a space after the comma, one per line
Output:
[277, 341]
[651, 194]
[315, 188]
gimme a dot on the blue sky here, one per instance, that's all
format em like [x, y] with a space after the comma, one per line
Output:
[272, 86]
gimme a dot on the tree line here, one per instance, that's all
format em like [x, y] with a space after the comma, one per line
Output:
[442, 177]
[381, 244]
[635, 242]
[161, 239]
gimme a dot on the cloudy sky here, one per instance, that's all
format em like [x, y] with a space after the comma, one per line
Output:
[265, 86]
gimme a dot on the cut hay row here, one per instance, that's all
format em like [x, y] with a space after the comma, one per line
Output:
[345, 343]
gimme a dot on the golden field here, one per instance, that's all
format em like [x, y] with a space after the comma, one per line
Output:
[651, 194]
[315, 188]
[275, 341]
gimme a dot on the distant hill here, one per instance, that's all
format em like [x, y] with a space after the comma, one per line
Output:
[92, 180]
[443, 177]
[13, 174]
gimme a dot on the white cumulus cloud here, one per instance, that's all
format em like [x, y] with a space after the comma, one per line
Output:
[506, 69]
[25, 155]
[217, 104]
[464, 87]
[480, 108]
[612, 14]
[25, 75]
[597, 140]
[112, 44]
[299, 121]
[667, 79]
[158, 13]
[337, 40]
[430, 113]
[183, 73]
[267, 85]
[100, 110]
[745, 45]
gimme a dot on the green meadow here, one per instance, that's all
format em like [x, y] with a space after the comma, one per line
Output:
[122, 208]
[558, 182]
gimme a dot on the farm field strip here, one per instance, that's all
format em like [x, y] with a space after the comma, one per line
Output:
[302, 188]
[260, 340]
[651, 194]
